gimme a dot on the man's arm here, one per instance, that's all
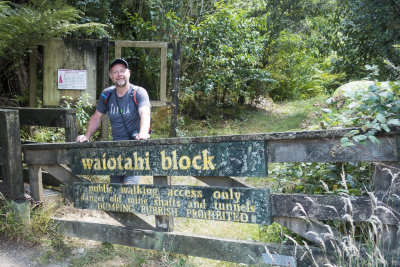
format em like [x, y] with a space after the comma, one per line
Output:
[93, 125]
[144, 113]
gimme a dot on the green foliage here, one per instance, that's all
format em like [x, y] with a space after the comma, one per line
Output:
[275, 233]
[33, 24]
[221, 49]
[161, 123]
[352, 178]
[83, 109]
[366, 32]
[373, 110]
[298, 68]
[229, 52]
[43, 134]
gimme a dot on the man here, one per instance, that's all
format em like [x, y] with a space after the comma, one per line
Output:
[128, 108]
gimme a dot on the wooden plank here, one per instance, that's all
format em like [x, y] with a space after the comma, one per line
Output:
[224, 249]
[71, 54]
[163, 223]
[314, 231]
[104, 127]
[163, 75]
[129, 220]
[317, 150]
[118, 49]
[297, 149]
[71, 127]
[176, 69]
[52, 117]
[156, 104]
[33, 77]
[140, 44]
[62, 174]
[50, 156]
[35, 181]
[242, 205]
[224, 181]
[387, 190]
[10, 153]
[47, 179]
[209, 159]
[334, 208]
[105, 83]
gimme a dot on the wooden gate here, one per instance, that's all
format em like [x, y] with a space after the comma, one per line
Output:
[220, 161]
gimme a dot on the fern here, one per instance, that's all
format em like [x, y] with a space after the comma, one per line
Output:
[25, 26]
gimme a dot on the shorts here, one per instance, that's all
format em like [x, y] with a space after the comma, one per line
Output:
[120, 179]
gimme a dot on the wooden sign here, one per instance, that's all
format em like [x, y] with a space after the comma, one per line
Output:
[242, 205]
[205, 159]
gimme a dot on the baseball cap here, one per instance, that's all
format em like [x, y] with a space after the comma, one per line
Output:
[119, 61]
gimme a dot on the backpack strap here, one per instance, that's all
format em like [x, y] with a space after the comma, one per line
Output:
[132, 93]
[106, 94]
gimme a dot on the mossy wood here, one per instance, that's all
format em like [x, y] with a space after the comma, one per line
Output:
[51, 117]
[242, 205]
[10, 154]
[306, 146]
[71, 54]
[299, 213]
[200, 159]
[225, 249]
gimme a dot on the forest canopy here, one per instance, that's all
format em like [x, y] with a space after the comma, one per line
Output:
[233, 51]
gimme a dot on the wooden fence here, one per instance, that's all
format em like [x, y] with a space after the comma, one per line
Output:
[10, 140]
[219, 162]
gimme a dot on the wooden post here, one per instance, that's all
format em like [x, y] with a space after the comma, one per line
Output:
[163, 75]
[33, 78]
[387, 190]
[163, 223]
[10, 142]
[35, 180]
[104, 121]
[70, 126]
[117, 49]
[176, 68]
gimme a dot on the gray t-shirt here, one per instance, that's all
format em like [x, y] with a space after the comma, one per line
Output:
[108, 104]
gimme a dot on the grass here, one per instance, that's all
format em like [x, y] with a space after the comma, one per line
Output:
[271, 117]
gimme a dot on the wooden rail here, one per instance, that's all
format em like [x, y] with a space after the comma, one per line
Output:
[305, 146]
[10, 140]
[10, 153]
[51, 117]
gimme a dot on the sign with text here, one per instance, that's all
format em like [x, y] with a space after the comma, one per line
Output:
[242, 205]
[241, 159]
[72, 79]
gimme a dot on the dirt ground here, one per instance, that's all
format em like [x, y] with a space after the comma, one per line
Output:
[13, 254]
[17, 254]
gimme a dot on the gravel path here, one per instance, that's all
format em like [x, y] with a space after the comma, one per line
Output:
[13, 254]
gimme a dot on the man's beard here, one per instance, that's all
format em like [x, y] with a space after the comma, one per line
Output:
[120, 83]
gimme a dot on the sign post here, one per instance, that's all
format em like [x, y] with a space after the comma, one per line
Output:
[72, 79]
[242, 205]
[239, 159]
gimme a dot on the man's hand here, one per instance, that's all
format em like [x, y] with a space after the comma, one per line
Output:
[142, 136]
[81, 139]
